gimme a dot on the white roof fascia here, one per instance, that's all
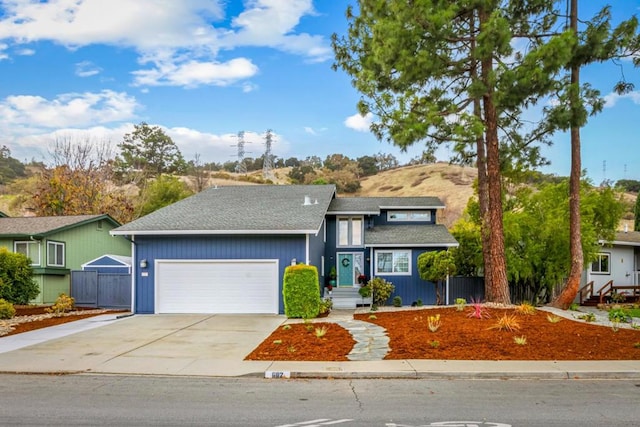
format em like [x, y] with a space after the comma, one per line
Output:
[354, 212]
[413, 245]
[207, 232]
[619, 243]
[412, 207]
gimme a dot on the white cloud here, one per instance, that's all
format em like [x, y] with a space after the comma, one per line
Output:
[180, 38]
[358, 122]
[612, 98]
[38, 146]
[271, 23]
[222, 148]
[211, 147]
[312, 131]
[25, 52]
[249, 87]
[194, 73]
[143, 24]
[67, 110]
[87, 69]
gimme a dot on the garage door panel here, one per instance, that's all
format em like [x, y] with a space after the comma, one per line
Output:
[247, 286]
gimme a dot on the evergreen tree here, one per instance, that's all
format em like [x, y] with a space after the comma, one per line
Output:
[596, 43]
[446, 72]
[148, 151]
[636, 213]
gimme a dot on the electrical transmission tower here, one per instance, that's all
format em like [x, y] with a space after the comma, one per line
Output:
[241, 167]
[267, 165]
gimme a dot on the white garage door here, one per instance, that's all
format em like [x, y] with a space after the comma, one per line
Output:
[216, 286]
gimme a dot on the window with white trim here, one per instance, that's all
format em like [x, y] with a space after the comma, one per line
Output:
[418, 216]
[601, 264]
[30, 249]
[55, 254]
[396, 262]
[350, 231]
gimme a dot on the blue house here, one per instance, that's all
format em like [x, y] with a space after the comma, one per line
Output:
[224, 250]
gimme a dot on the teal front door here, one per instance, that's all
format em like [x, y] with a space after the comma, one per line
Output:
[345, 269]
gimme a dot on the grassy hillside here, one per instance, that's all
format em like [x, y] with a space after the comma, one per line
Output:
[451, 184]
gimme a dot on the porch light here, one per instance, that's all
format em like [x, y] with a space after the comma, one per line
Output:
[143, 263]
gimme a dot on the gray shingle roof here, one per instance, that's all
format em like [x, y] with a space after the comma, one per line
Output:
[431, 235]
[373, 205]
[43, 225]
[255, 209]
[631, 238]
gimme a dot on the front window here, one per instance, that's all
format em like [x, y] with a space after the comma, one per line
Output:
[55, 254]
[393, 262]
[420, 216]
[30, 249]
[350, 231]
[601, 264]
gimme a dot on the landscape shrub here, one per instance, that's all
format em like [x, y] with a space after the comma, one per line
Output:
[382, 290]
[63, 304]
[325, 306]
[7, 311]
[397, 301]
[619, 315]
[301, 291]
[16, 278]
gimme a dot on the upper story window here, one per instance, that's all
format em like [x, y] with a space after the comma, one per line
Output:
[55, 254]
[350, 231]
[393, 262]
[601, 264]
[29, 248]
[422, 216]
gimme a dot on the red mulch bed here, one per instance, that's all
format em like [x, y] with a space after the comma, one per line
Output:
[298, 341]
[459, 338]
[31, 310]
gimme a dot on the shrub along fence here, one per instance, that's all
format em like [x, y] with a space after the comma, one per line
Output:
[472, 288]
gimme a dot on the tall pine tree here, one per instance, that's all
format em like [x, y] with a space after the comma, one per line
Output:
[439, 72]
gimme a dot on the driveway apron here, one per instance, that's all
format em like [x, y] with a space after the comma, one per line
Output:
[189, 344]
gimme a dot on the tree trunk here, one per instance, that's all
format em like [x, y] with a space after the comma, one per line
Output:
[481, 163]
[496, 285]
[571, 288]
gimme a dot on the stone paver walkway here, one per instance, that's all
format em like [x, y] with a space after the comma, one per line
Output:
[372, 342]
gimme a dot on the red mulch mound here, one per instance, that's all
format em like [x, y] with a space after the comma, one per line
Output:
[459, 338]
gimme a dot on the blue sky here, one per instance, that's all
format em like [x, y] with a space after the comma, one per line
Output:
[87, 70]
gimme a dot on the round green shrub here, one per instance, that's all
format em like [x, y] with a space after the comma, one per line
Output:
[7, 311]
[16, 278]
[382, 290]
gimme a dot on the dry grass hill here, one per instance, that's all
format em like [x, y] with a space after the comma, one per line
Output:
[451, 183]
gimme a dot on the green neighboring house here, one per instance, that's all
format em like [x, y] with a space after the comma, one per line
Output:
[59, 244]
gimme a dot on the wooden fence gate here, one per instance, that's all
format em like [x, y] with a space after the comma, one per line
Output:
[101, 290]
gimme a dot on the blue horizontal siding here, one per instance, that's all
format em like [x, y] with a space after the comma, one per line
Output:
[283, 248]
[412, 288]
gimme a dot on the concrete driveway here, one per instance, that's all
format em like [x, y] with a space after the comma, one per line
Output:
[189, 344]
